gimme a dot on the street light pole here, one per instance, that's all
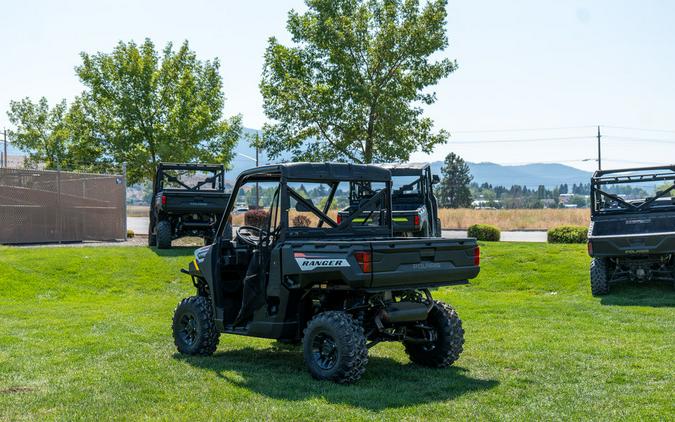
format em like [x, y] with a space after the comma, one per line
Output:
[4, 133]
[599, 150]
[257, 164]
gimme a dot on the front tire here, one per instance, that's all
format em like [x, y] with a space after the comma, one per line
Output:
[163, 230]
[599, 277]
[449, 343]
[334, 348]
[194, 331]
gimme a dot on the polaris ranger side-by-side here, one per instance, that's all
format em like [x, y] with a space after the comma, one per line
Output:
[339, 287]
[415, 209]
[187, 200]
[632, 231]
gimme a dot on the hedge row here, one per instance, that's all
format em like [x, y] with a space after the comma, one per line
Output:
[484, 232]
[256, 218]
[568, 234]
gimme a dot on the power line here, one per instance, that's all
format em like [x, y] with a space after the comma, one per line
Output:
[497, 141]
[521, 130]
[640, 129]
[631, 138]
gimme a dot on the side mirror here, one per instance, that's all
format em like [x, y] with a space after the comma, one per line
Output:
[435, 179]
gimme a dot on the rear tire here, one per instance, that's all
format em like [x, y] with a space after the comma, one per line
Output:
[334, 348]
[599, 277]
[449, 342]
[194, 331]
[163, 230]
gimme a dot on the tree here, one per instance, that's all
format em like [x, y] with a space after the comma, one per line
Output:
[453, 191]
[42, 132]
[352, 85]
[143, 109]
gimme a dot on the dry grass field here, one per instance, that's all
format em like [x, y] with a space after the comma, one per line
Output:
[464, 217]
[514, 219]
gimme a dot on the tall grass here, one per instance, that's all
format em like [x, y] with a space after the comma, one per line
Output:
[543, 219]
[464, 217]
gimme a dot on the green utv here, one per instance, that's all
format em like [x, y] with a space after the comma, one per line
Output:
[339, 288]
[632, 231]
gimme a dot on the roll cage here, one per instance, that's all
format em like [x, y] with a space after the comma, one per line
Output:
[217, 180]
[331, 174]
[626, 176]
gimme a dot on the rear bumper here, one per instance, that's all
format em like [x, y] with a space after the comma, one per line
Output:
[632, 244]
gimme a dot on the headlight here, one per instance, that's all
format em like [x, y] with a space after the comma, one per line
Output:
[200, 253]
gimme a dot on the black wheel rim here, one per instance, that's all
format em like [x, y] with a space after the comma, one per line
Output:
[188, 329]
[324, 351]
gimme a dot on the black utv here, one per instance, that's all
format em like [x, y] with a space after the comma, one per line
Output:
[187, 200]
[414, 206]
[339, 288]
[632, 231]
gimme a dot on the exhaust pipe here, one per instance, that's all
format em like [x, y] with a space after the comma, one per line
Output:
[405, 312]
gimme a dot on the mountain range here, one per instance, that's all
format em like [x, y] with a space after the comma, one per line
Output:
[530, 175]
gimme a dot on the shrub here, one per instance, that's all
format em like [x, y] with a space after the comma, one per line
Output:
[568, 234]
[484, 232]
[130, 234]
[256, 218]
[301, 221]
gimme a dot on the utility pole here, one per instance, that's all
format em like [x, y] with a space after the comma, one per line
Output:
[257, 164]
[599, 150]
[4, 133]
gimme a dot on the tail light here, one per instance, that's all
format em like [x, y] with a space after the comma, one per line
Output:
[416, 220]
[365, 261]
[339, 219]
[476, 256]
[163, 199]
[590, 249]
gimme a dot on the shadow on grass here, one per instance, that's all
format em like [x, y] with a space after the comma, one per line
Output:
[655, 294]
[280, 373]
[175, 251]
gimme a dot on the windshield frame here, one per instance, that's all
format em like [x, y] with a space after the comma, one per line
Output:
[634, 176]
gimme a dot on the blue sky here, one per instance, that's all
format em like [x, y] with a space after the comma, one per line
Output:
[522, 65]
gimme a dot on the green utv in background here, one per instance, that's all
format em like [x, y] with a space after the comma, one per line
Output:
[187, 200]
[415, 209]
[337, 287]
[632, 232]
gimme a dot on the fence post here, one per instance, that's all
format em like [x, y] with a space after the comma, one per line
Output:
[59, 214]
[124, 198]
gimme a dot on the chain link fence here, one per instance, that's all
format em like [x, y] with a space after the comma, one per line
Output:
[39, 206]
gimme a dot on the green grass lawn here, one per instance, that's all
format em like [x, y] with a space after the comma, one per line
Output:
[85, 334]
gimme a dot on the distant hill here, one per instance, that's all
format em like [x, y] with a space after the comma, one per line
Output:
[530, 175]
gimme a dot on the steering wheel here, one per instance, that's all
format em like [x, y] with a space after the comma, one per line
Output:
[250, 235]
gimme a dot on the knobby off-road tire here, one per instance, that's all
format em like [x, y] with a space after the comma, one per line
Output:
[334, 347]
[163, 230]
[449, 339]
[194, 331]
[599, 277]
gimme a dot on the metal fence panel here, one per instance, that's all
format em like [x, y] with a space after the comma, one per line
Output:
[57, 206]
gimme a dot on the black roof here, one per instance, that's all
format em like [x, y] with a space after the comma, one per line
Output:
[190, 166]
[634, 174]
[321, 171]
[405, 169]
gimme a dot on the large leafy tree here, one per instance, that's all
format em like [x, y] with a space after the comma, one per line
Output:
[352, 86]
[40, 130]
[142, 107]
[454, 191]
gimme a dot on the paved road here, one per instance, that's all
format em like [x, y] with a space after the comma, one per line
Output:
[140, 226]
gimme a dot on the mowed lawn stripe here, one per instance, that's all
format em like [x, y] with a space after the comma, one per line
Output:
[85, 333]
